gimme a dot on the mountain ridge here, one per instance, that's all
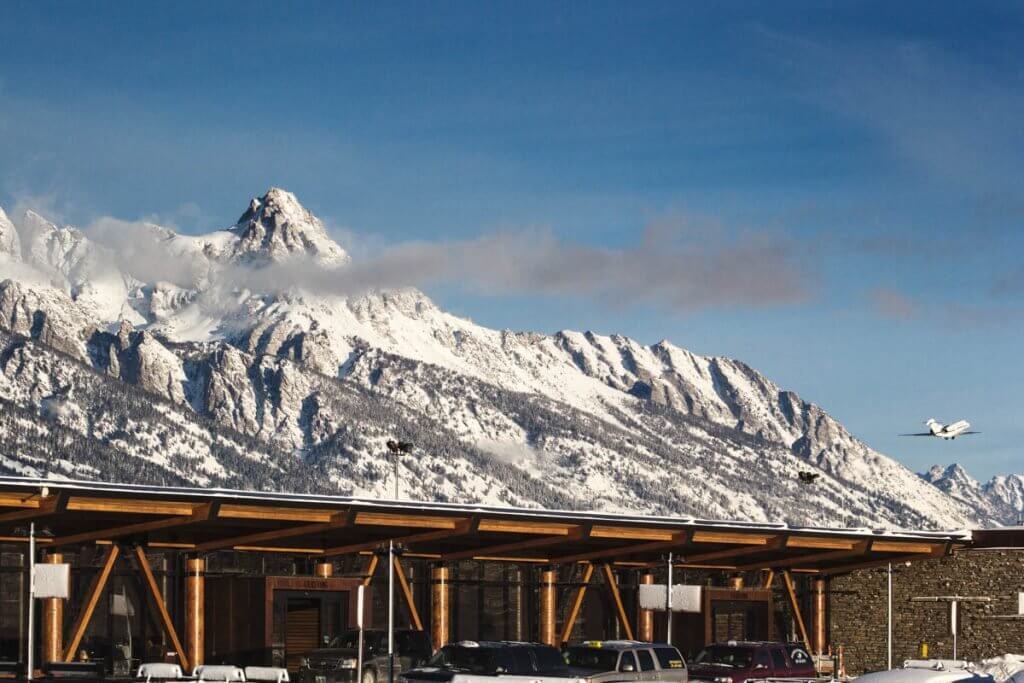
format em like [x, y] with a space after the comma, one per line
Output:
[316, 383]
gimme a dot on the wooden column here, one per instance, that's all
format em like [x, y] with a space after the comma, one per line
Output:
[324, 570]
[818, 616]
[441, 598]
[736, 582]
[53, 620]
[548, 607]
[195, 616]
[645, 618]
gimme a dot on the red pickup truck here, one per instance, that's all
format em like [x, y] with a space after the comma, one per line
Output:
[740, 661]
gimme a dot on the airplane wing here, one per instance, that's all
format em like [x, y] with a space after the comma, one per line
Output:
[965, 433]
[917, 434]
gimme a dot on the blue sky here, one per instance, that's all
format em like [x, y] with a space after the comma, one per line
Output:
[879, 144]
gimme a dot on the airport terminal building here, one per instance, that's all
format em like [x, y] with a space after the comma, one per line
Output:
[213, 576]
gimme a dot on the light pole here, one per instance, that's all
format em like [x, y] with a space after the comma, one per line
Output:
[31, 598]
[889, 573]
[391, 595]
[398, 449]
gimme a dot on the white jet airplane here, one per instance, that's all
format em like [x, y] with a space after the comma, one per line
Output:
[947, 432]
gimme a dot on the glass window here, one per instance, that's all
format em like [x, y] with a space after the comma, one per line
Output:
[727, 655]
[646, 660]
[548, 659]
[669, 658]
[593, 658]
[778, 658]
[473, 660]
[761, 660]
[630, 659]
[521, 661]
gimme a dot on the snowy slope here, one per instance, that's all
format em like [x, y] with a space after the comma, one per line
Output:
[318, 382]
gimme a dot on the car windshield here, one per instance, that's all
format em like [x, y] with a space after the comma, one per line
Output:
[592, 658]
[726, 655]
[349, 639]
[470, 659]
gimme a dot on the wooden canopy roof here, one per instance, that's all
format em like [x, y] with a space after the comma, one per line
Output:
[69, 513]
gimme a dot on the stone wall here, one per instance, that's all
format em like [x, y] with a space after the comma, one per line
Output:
[857, 609]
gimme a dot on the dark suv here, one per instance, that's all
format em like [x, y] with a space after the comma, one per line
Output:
[337, 662]
[488, 658]
[739, 661]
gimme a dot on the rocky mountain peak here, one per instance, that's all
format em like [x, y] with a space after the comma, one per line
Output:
[276, 227]
[10, 245]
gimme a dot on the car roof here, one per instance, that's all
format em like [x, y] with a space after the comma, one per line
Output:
[916, 675]
[616, 645]
[493, 644]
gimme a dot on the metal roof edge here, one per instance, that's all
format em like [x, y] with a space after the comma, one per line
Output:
[465, 508]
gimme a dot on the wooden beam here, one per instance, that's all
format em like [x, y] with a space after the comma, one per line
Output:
[731, 538]
[902, 547]
[275, 513]
[820, 543]
[338, 520]
[937, 551]
[577, 603]
[407, 592]
[199, 514]
[47, 506]
[620, 609]
[575, 534]
[406, 521]
[128, 506]
[161, 607]
[628, 533]
[827, 556]
[795, 604]
[371, 567]
[772, 544]
[462, 527]
[678, 538]
[508, 526]
[91, 600]
[769, 576]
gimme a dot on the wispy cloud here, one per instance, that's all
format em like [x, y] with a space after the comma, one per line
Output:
[891, 303]
[671, 266]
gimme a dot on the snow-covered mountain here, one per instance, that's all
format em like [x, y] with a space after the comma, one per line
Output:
[1000, 499]
[145, 359]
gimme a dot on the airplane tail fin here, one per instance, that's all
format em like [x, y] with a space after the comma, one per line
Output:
[933, 425]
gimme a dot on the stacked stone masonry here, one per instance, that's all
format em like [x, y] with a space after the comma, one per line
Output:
[858, 614]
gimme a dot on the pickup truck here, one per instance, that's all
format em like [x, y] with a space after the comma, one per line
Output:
[620, 661]
[740, 661]
[481, 662]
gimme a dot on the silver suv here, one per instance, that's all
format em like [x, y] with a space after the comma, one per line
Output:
[611, 661]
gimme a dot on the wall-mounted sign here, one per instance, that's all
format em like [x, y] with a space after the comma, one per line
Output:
[684, 598]
[52, 580]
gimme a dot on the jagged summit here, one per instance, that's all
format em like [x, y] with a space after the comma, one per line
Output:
[10, 245]
[277, 227]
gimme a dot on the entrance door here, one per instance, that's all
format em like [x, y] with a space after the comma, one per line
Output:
[302, 629]
[311, 620]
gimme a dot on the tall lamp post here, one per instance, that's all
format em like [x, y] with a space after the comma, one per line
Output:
[398, 449]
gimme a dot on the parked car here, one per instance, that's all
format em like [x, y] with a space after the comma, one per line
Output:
[608, 661]
[337, 662]
[739, 661]
[476, 662]
[929, 671]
